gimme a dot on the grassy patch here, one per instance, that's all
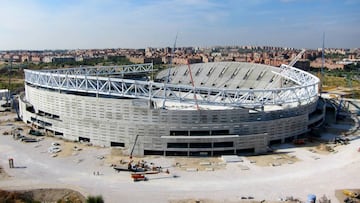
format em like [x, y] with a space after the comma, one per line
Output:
[335, 81]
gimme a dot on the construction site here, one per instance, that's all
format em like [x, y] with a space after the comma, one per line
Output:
[217, 132]
[326, 167]
[206, 109]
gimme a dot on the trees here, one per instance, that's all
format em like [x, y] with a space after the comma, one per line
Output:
[95, 199]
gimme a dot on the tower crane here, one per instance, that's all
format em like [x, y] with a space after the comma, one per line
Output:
[169, 72]
[193, 84]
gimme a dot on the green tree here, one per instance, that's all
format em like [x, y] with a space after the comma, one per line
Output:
[95, 199]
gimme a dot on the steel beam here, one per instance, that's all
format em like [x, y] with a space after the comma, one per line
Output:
[89, 80]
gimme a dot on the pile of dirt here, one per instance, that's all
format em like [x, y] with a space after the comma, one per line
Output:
[42, 195]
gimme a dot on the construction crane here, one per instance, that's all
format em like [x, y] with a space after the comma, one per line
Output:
[171, 59]
[193, 84]
[169, 72]
[133, 147]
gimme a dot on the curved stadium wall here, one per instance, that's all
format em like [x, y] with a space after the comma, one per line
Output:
[160, 118]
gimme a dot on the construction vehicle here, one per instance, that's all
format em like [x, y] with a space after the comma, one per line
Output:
[121, 168]
[139, 167]
[28, 139]
[35, 132]
[351, 194]
[138, 177]
[342, 141]
[193, 84]
[299, 141]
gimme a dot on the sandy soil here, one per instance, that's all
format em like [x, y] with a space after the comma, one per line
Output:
[273, 159]
[310, 173]
[200, 164]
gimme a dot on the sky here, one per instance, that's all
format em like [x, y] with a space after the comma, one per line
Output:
[84, 24]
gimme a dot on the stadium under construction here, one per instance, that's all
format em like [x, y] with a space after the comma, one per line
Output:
[205, 109]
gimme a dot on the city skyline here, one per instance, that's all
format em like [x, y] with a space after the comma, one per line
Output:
[38, 25]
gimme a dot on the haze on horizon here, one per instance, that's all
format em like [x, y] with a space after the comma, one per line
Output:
[82, 24]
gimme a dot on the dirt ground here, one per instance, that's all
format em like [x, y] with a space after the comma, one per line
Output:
[314, 145]
[116, 157]
[42, 195]
[273, 159]
[200, 164]
[69, 148]
[259, 176]
[319, 147]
